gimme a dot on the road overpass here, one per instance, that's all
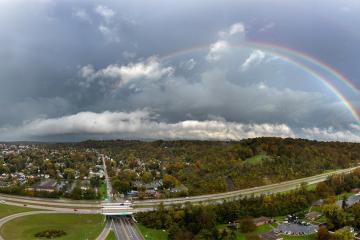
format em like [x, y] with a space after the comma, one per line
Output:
[117, 209]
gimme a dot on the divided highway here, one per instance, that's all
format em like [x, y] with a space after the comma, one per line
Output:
[147, 205]
[124, 228]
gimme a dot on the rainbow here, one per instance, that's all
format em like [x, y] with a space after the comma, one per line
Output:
[290, 55]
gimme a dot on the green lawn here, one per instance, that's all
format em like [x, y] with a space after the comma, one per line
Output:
[6, 210]
[241, 236]
[256, 159]
[76, 226]
[307, 237]
[102, 190]
[152, 234]
[111, 236]
[345, 194]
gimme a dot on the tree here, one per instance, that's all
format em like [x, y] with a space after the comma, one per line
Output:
[323, 234]
[252, 236]
[247, 224]
[95, 181]
[335, 216]
[122, 186]
[323, 190]
[69, 173]
[344, 202]
[169, 181]
[342, 234]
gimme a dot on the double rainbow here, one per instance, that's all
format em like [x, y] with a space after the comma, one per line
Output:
[293, 56]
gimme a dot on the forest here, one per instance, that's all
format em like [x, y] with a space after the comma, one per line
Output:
[199, 222]
[202, 167]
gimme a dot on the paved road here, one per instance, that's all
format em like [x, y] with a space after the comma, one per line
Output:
[105, 231]
[125, 229]
[147, 205]
[11, 217]
[107, 180]
[219, 197]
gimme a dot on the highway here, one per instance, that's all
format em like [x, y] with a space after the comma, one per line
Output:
[146, 205]
[124, 227]
[220, 197]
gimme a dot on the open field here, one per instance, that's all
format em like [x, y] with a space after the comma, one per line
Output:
[257, 159]
[77, 227]
[152, 234]
[6, 210]
[307, 237]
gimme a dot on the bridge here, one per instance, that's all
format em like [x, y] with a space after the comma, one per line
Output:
[117, 209]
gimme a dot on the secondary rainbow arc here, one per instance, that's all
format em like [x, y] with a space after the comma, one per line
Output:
[291, 56]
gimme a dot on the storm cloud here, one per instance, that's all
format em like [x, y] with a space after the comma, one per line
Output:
[80, 69]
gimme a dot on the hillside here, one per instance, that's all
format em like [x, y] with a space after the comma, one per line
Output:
[216, 166]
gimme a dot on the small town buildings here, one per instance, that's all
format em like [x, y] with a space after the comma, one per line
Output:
[318, 203]
[48, 185]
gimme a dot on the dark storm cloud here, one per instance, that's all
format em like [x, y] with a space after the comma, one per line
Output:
[61, 61]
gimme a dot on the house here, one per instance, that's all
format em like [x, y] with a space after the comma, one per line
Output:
[311, 216]
[350, 201]
[318, 203]
[263, 220]
[49, 185]
[355, 190]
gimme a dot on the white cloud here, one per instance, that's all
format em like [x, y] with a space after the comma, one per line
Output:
[151, 69]
[128, 55]
[106, 13]
[255, 58]
[143, 124]
[189, 64]
[267, 27]
[109, 33]
[82, 15]
[332, 134]
[217, 49]
[235, 29]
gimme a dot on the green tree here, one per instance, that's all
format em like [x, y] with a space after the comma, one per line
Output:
[323, 234]
[342, 234]
[335, 216]
[247, 224]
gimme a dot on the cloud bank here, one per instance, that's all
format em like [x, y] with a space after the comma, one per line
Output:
[143, 124]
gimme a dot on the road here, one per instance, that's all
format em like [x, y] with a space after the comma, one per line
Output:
[107, 180]
[146, 205]
[125, 229]
[220, 197]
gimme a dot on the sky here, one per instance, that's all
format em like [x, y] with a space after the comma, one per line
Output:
[208, 70]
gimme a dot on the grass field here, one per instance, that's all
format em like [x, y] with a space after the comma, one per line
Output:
[152, 234]
[111, 236]
[102, 190]
[307, 237]
[261, 229]
[256, 159]
[76, 226]
[6, 210]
